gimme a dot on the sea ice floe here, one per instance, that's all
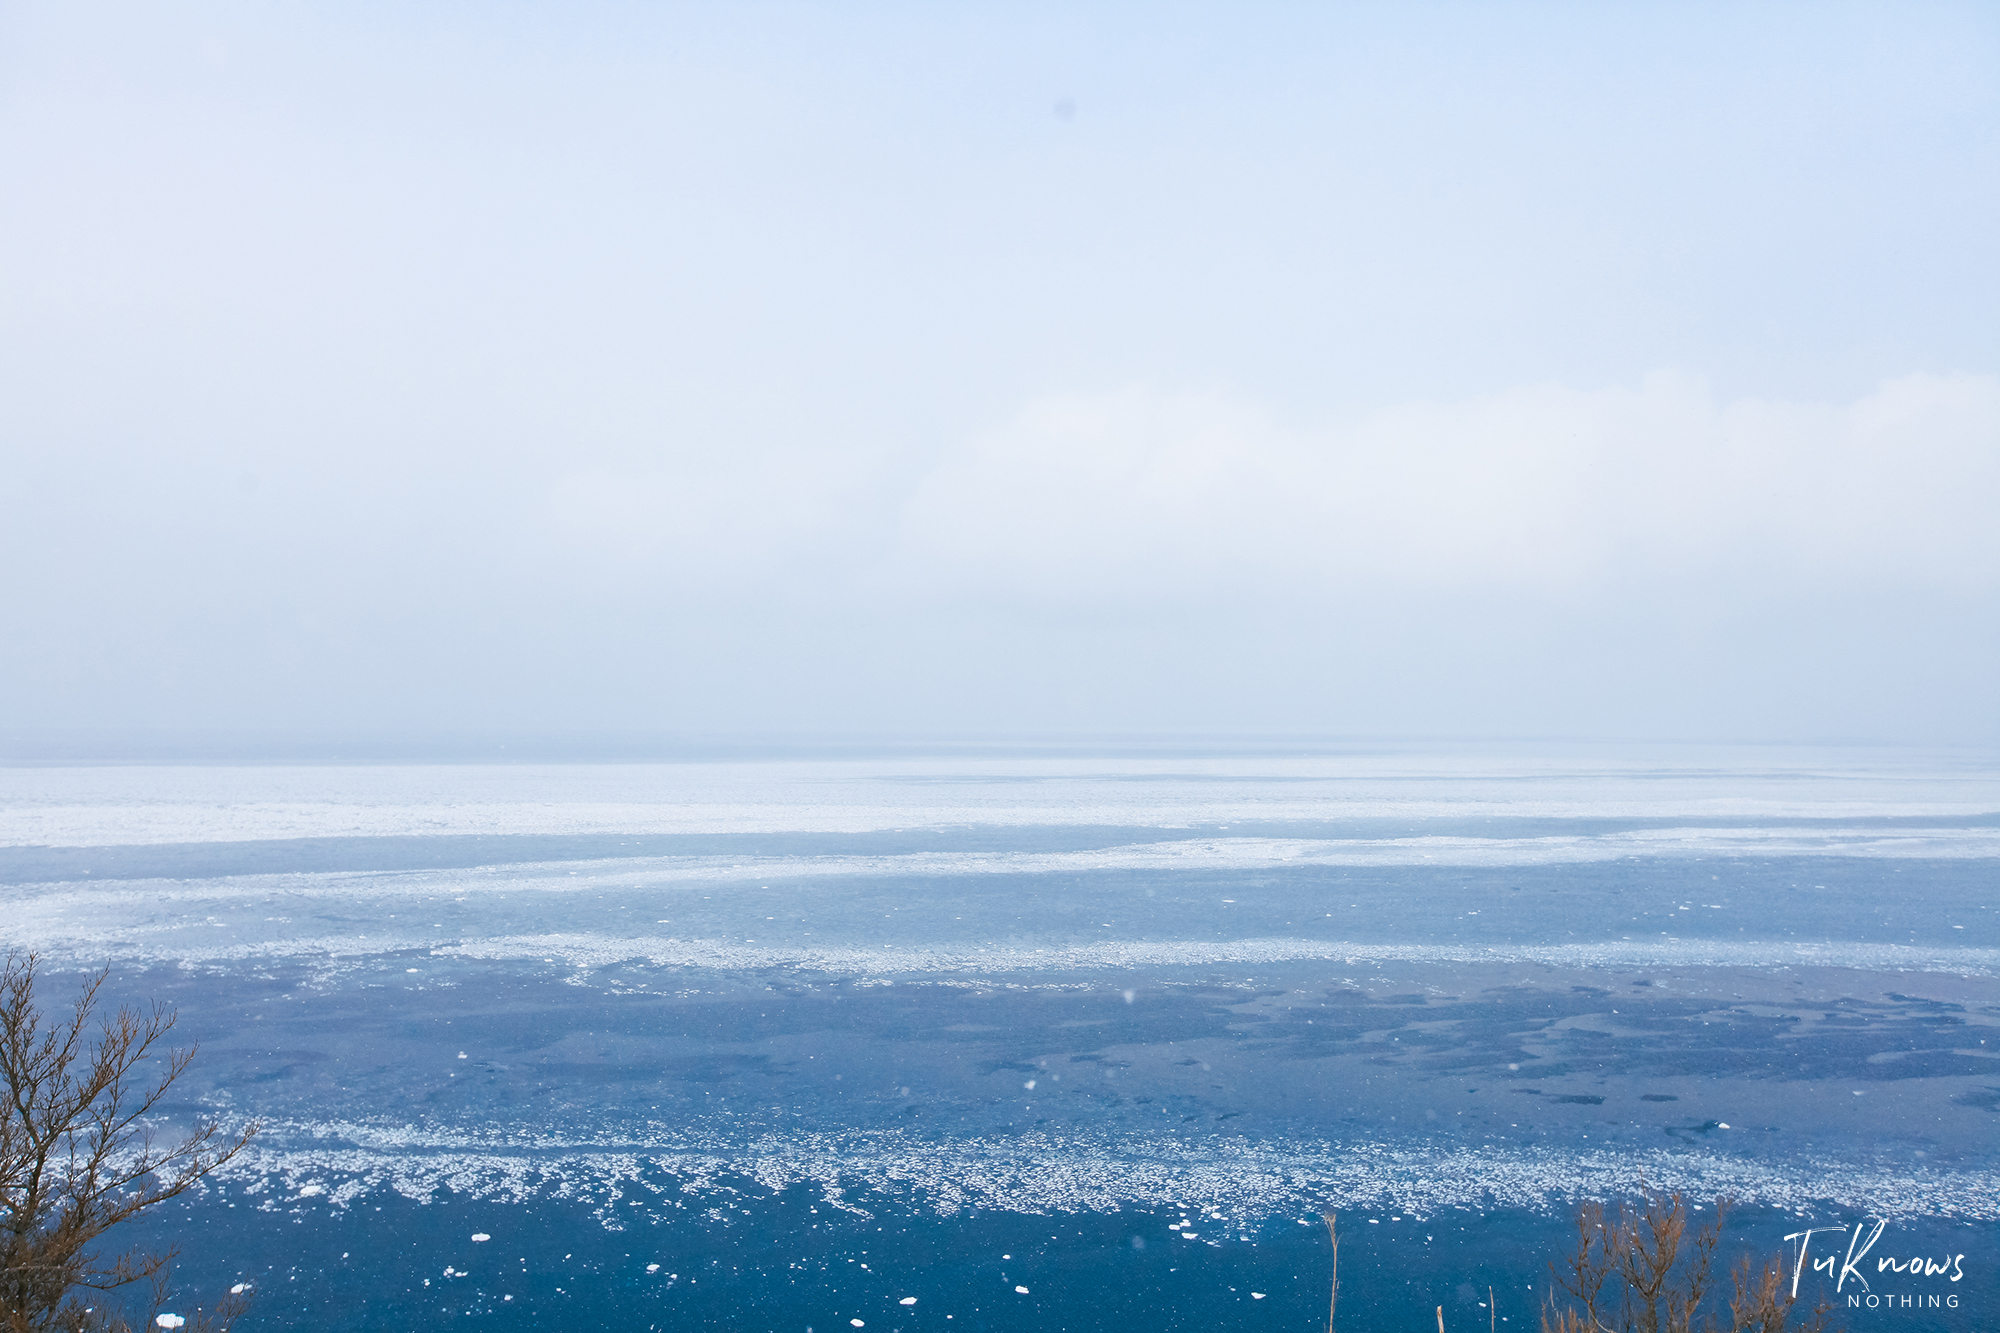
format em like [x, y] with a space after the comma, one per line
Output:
[138, 804]
[1224, 1179]
[592, 951]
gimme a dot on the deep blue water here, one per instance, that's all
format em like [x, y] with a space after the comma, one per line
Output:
[776, 1264]
[815, 1037]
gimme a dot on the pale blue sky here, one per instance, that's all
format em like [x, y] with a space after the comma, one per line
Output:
[1610, 370]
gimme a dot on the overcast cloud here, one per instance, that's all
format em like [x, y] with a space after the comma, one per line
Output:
[1494, 370]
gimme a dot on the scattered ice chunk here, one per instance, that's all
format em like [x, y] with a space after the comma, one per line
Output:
[1022, 1290]
[1029, 1085]
[461, 1055]
[1256, 1295]
[907, 1300]
[1722, 1124]
[480, 1235]
[652, 1268]
[169, 1320]
[857, 1323]
[239, 1289]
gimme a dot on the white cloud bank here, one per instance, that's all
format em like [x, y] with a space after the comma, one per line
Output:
[1540, 487]
[1145, 494]
[1650, 559]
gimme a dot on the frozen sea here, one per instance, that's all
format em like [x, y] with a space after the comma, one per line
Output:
[1048, 1037]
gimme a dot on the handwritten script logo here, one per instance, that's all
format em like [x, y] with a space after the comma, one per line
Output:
[1840, 1268]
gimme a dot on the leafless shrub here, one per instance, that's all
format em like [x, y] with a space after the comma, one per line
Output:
[77, 1158]
[1646, 1271]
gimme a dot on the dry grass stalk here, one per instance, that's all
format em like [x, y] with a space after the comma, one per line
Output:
[1333, 1298]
